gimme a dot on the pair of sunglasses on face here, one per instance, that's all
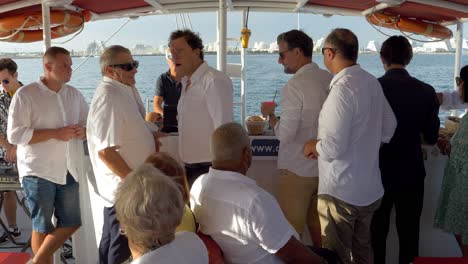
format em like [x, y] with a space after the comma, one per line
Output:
[126, 66]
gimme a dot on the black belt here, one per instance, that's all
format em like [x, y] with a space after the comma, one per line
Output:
[197, 165]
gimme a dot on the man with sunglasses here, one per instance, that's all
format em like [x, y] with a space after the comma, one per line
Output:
[354, 121]
[206, 101]
[301, 100]
[402, 170]
[47, 122]
[119, 140]
[10, 83]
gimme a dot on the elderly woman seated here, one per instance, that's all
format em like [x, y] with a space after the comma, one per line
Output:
[149, 207]
[171, 167]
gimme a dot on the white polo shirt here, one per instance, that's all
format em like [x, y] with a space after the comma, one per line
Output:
[116, 118]
[35, 106]
[301, 100]
[203, 107]
[355, 119]
[244, 220]
[186, 248]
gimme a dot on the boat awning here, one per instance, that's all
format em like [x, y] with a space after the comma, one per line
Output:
[436, 11]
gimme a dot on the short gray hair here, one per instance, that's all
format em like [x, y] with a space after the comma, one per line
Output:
[149, 207]
[228, 141]
[109, 54]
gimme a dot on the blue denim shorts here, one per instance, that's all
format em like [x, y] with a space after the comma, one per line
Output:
[46, 199]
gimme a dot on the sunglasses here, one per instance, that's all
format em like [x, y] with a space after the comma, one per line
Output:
[458, 80]
[324, 49]
[5, 81]
[126, 66]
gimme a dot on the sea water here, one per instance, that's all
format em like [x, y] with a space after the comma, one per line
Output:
[264, 75]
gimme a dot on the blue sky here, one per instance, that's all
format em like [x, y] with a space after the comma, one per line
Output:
[154, 30]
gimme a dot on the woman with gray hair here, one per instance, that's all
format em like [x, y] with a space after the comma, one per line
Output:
[172, 168]
[149, 207]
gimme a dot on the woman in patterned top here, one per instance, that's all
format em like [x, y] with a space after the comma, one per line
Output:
[452, 210]
[10, 83]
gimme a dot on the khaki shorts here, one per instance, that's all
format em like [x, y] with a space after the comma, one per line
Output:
[297, 197]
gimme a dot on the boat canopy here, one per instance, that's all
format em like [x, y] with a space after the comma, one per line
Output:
[445, 12]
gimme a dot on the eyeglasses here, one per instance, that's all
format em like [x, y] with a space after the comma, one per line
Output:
[281, 53]
[126, 66]
[324, 49]
[5, 81]
[169, 55]
[458, 80]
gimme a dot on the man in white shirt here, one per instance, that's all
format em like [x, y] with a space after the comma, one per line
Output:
[243, 219]
[119, 140]
[301, 100]
[206, 101]
[47, 123]
[354, 121]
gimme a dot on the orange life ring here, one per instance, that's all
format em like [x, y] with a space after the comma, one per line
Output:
[410, 25]
[62, 22]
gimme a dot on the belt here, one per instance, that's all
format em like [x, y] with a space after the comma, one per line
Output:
[197, 165]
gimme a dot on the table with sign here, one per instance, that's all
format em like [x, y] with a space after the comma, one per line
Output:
[263, 168]
[264, 162]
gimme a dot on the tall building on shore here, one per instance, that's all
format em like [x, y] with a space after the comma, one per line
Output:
[95, 48]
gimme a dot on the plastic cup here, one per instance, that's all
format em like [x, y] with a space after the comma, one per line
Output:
[268, 107]
[269, 103]
[245, 36]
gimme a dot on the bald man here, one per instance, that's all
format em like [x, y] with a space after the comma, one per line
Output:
[245, 220]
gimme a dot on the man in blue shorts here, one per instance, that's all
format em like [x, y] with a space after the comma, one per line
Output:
[46, 122]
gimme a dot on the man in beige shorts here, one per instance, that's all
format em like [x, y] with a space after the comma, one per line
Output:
[301, 100]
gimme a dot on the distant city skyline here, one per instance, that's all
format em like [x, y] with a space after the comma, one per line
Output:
[155, 30]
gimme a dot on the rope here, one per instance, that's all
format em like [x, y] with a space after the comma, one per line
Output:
[393, 23]
[74, 35]
[183, 19]
[177, 22]
[184, 23]
[18, 30]
[190, 21]
[420, 40]
[102, 45]
[40, 23]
